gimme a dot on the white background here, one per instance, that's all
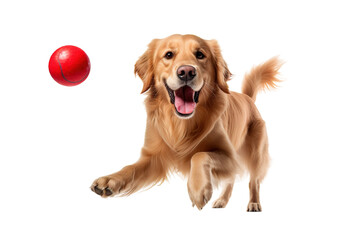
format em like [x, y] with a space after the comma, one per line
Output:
[55, 140]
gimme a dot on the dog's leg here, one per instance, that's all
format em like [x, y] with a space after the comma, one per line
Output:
[222, 201]
[257, 161]
[199, 183]
[148, 170]
[254, 203]
[203, 164]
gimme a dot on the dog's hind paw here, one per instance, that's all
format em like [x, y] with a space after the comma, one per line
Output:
[254, 207]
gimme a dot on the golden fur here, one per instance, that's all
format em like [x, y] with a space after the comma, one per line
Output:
[225, 135]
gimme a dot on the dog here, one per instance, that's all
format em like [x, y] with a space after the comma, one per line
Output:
[195, 125]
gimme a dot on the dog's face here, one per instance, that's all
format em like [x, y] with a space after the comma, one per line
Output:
[183, 70]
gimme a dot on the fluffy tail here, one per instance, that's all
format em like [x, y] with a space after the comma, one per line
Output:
[263, 76]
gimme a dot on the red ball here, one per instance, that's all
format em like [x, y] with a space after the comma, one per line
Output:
[69, 65]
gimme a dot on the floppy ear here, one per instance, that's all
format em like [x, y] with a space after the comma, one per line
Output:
[221, 70]
[144, 67]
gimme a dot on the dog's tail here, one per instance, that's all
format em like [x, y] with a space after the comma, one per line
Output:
[263, 76]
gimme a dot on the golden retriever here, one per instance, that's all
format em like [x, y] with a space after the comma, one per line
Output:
[195, 125]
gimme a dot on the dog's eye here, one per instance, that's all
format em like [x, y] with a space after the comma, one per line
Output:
[169, 55]
[199, 55]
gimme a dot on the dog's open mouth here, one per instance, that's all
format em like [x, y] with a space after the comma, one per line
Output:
[184, 99]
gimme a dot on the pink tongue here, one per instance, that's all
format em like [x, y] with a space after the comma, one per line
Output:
[184, 100]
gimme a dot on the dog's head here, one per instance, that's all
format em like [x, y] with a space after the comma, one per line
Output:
[183, 70]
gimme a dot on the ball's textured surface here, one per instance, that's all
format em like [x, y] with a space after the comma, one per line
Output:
[69, 65]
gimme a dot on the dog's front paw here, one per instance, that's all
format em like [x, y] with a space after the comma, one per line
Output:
[107, 186]
[199, 192]
[220, 203]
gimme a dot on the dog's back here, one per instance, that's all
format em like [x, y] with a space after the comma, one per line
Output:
[246, 129]
[241, 110]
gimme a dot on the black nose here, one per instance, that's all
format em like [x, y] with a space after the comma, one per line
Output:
[186, 72]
